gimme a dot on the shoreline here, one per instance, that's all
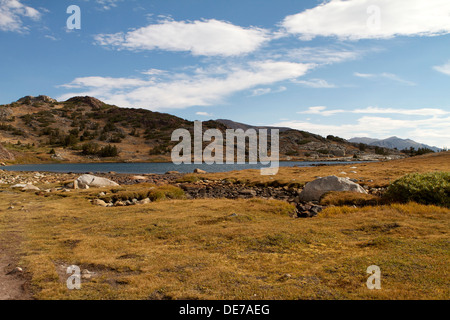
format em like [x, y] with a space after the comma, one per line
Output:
[318, 163]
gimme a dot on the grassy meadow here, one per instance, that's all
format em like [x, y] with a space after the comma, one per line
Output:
[232, 249]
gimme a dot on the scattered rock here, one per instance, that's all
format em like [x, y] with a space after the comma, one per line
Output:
[248, 192]
[57, 156]
[16, 270]
[315, 189]
[172, 172]
[120, 204]
[145, 201]
[308, 210]
[100, 203]
[138, 178]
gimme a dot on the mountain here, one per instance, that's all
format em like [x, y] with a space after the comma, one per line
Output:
[394, 142]
[85, 129]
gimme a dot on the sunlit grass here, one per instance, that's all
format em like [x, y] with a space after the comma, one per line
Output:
[229, 249]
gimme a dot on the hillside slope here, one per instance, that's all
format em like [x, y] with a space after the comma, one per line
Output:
[85, 129]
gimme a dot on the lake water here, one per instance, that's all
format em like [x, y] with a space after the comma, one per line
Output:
[155, 168]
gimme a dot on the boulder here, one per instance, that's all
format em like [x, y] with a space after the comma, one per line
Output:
[89, 181]
[100, 203]
[172, 172]
[199, 171]
[145, 201]
[30, 187]
[315, 189]
[19, 186]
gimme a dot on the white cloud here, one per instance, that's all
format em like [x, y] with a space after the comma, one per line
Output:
[434, 131]
[184, 90]
[324, 111]
[384, 75]
[321, 110]
[371, 19]
[106, 83]
[412, 112]
[204, 114]
[107, 4]
[11, 14]
[324, 55]
[431, 125]
[445, 69]
[315, 83]
[201, 38]
[263, 91]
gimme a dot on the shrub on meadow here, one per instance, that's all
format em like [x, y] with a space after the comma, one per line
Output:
[428, 188]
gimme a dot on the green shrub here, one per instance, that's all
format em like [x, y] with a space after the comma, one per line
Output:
[429, 188]
[108, 151]
[153, 193]
[166, 192]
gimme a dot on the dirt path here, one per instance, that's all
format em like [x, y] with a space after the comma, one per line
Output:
[13, 283]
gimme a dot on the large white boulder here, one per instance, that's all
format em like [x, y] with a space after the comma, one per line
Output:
[89, 181]
[317, 188]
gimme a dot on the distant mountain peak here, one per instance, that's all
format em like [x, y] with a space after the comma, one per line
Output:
[393, 142]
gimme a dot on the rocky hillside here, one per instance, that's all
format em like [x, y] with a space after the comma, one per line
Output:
[85, 129]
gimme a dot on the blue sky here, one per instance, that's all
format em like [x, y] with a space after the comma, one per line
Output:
[373, 68]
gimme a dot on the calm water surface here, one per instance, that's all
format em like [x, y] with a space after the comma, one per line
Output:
[156, 168]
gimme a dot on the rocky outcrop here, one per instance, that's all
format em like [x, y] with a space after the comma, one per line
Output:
[315, 189]
[5, 113]
[5, 154]
[41, 98]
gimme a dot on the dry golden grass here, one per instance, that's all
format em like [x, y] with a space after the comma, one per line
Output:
[197, 250]
[347, 198]
[381, 173]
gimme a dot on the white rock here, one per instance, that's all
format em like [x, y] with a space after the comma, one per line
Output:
[19, 186]
[30, 187]
[100, 203]
[88, 180]
[138, 178]
[145, 201]
[315, 189]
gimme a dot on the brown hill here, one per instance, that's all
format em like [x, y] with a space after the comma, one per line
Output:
[85, 129]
